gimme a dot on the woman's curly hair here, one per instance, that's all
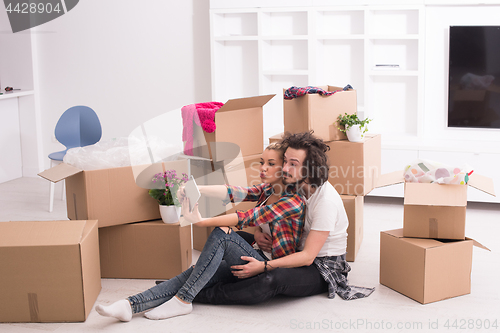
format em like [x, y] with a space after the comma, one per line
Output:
[316, 162]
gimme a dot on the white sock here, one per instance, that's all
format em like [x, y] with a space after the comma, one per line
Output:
[173, 307]
[120, 310]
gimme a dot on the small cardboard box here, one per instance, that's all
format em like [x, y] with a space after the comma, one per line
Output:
[426, 270]
[276, 138]
[112, 195]
[436, 210]
[144, 250]
[319, 113]
[355, 166]
[354, 208]
[238, 121]
[49, 271]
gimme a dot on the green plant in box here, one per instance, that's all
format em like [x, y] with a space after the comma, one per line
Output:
[166, 185]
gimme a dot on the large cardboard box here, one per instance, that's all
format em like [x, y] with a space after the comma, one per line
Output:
[319, 113]
[426, 270]
[49, 271]
[111, 196]
[436, 210]
[238, 121]
[354, 208]
[144, 250]
[355, 166]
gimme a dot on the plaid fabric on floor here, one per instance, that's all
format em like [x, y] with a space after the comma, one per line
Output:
[334, 270]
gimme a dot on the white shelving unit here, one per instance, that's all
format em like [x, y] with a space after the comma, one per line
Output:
[275, 45]
[264, 50]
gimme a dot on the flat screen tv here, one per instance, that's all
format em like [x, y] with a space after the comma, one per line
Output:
[474, 77]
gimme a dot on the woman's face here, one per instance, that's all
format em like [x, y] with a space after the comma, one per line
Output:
[270, 167]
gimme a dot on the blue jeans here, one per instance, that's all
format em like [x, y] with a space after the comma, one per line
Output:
[221, 251]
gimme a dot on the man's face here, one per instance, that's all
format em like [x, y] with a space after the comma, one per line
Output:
[293, 165]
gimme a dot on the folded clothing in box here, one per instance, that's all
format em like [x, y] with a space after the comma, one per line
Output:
[425, 171]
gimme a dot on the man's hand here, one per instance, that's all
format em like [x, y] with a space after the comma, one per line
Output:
[263, 240]
[252, 268]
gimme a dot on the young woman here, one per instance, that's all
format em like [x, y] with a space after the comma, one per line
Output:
[277, 205]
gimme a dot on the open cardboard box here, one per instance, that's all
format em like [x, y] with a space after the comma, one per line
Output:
[435, 210]
[426, 270]
[319, 113]
[355, 166]
[111, 195]
[239, 121]
[49, 270]
[144, 250]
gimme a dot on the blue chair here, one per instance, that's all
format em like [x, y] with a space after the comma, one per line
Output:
[78, 126]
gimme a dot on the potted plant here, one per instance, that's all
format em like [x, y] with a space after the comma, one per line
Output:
[354, 127]
[165, 188]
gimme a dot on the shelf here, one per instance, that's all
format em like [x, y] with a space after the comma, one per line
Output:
[15, 94]
[344, 22]
[340, 37]
[231, 24]
[235, 38]
[393, 72]
[289, 23]
[394, 37]
[284, 37]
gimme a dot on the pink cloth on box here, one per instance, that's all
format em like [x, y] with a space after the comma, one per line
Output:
[202, 114]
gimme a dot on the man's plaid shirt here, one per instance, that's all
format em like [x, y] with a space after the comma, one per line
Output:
[285, 217]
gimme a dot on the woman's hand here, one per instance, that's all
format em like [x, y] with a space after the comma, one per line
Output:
[264, 240]
[190, 217]
[252, 268]
[181, 194]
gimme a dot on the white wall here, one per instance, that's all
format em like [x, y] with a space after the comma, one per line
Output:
[130, 61]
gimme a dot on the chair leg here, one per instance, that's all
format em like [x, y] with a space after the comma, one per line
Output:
[63, 193]
[51, 197]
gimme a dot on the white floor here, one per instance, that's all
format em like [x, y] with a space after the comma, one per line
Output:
[27, 199]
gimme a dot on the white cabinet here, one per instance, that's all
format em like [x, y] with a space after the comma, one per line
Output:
[264, 50]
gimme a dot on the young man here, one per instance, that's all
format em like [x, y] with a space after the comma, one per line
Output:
[320, 264]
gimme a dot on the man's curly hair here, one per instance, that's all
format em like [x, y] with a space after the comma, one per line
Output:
[316, 162]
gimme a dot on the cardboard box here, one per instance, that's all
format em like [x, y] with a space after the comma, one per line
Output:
[354, 208]
[49, 271]
[426, 270]
[319, 113]
[111, 196]
[145, 250]
[238, 121]
[276, 138]
[355, 166]
[436, 210]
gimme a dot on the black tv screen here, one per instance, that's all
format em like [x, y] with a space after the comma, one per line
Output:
[474, 77]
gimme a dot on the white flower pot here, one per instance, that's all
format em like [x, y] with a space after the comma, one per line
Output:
[170, 214]
[354, 133]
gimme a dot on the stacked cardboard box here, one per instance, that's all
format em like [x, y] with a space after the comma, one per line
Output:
[234, 149]
[354, 166]
[430, 259]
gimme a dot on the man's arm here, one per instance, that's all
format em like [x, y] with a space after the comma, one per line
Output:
[314, 242]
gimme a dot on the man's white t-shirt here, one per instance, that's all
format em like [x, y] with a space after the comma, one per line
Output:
[325, 212]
